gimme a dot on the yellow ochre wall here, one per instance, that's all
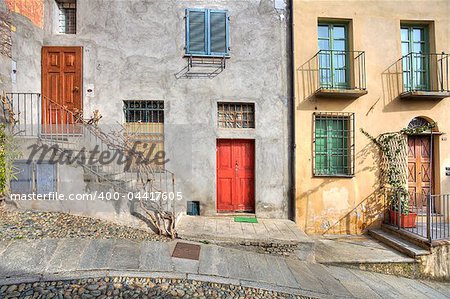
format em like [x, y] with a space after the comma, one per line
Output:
[350, 205]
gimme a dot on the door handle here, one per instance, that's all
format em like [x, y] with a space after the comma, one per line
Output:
[76, 89]
[236, 167]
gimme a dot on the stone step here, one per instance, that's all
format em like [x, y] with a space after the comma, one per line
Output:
[356, 249]
[398, 243]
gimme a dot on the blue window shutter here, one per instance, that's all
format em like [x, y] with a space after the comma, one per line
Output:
[196, 31]
[218, 29]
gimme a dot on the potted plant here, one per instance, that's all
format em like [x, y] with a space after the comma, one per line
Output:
[399, 199]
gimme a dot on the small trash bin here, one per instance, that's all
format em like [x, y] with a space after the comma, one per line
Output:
[193, 208]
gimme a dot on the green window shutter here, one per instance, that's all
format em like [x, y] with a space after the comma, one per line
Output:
[321, 147]
[196, 37]
[218, 21]
[338, 140]
[331, 146]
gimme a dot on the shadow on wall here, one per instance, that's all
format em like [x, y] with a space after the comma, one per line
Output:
[202, 68]
[308, 79]
[308, 84]
[366, 214]
[369, 212]
[392, 84]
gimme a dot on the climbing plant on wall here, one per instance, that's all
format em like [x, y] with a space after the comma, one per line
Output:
[8, 153]
[393, 147]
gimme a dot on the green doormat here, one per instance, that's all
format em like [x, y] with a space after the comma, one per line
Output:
[246, 219]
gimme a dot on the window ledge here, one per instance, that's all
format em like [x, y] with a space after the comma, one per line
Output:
[64, 34]
[343, 176]
[240, 129]
[340, 93]
[426, 95]
[206, 56]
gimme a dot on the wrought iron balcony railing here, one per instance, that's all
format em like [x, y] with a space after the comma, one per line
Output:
[334, 73]
[427, 73]
[341, 69]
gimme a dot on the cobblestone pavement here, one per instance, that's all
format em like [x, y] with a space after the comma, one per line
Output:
[23, 261]
[126, 287]
[38, 225]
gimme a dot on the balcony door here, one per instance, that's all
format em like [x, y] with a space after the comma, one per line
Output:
[415, 62]
[333, 56]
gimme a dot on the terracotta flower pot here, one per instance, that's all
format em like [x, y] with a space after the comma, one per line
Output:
[406, 220]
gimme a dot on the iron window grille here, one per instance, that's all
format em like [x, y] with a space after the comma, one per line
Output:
[144, 122]
[236, 115]
[67, 16]
[333, 144]
[207, 32]
[144, 111]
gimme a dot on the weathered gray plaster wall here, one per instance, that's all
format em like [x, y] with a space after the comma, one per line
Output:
[132, 51]
[5, 50]
[27, 41]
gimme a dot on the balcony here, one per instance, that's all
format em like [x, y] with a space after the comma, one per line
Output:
[424, 76]
[334, 74]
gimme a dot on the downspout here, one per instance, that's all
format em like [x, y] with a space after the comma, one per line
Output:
[291, 117]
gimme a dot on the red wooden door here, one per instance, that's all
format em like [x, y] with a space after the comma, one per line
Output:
[420, 172]
[61, 84]
[235, 175]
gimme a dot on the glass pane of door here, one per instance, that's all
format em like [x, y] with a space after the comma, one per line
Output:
[333, 56]
[415, 62]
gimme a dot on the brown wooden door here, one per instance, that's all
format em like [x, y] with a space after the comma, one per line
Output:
[61, 84]
[235, 175]
[420, 170]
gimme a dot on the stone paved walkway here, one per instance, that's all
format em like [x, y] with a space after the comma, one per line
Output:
[355, 249]
[225, 229]
[31, 260]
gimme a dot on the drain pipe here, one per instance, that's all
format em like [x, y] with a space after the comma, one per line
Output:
[291, 116]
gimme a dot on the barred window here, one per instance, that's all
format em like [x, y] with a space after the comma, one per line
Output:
[144, 111]
[236, 115]
[144, 122]
[67, 16]
[334, 139]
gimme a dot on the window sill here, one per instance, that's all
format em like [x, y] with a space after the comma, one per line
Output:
[240, 129]
[206, 56]
[343, 176]
[67, 35]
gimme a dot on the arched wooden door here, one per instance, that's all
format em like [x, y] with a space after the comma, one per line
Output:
[420, 169]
